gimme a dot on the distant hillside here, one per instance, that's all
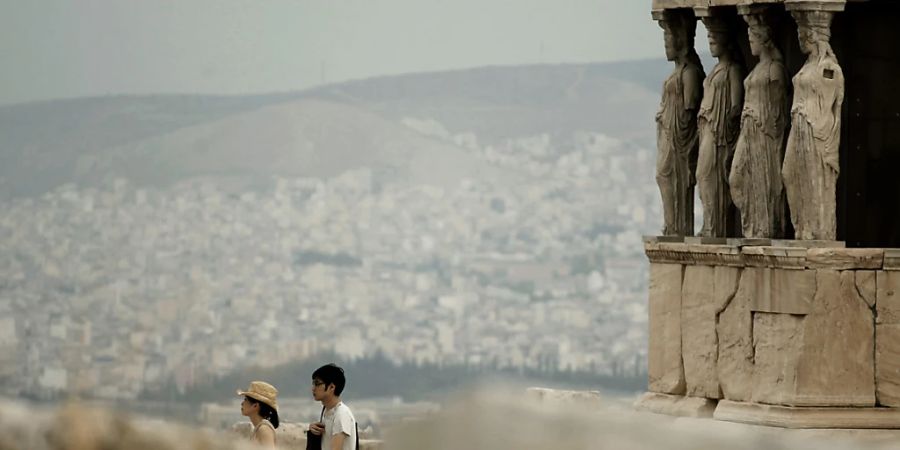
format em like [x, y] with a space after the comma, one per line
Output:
[323, 131]
[618, 99]
[305, 137]
[41, 142]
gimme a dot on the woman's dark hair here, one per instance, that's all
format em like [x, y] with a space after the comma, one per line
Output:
[265, 411]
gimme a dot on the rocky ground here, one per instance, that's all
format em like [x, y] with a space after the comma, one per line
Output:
[489, 418]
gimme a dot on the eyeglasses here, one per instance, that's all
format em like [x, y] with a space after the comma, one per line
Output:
[317, 383]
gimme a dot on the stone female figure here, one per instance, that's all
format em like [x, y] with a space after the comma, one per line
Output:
[676, 122]
[719, 126]
[811, 164]
[755, 179]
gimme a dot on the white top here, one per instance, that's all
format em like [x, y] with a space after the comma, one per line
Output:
[339, 420]
[262, 423]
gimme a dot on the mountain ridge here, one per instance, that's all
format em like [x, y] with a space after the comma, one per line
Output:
[46, 144]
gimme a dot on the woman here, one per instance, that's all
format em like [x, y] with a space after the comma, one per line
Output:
[261, 407]
[677, 125]
[755, 179]
[811, 162]
[718, 127]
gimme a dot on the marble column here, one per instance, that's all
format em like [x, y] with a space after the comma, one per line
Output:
[811, 162]
[677, 137]
[719, 123]
[755, 179]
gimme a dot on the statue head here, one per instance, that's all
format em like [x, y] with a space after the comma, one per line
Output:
[759, 32]
[721, 38]
[679, 30]
[717, 32]
[814, 31]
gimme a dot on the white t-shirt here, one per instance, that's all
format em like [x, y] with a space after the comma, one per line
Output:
[339, 420]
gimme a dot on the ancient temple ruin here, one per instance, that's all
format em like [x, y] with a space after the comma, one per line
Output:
[785, 309]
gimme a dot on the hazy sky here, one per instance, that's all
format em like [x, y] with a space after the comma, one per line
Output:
[73, 48]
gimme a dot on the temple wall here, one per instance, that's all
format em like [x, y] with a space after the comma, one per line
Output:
[775, 325]
[790, 142]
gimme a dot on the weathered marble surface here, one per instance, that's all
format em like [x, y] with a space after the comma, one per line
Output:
[811, 163]
[705, 293]
[837, 366]
[719, 124]
[734, 365]
[755, 179]
[887, 338]
[664, 362]
[676, 122]
[675, 405]
[824, 358]
[781, 254]
[814, 417]
[782, 291]
[778, 342]
[845, 258]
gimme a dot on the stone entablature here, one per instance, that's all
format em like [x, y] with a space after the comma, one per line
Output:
[833, 5]
[786, 335]
[779, 255]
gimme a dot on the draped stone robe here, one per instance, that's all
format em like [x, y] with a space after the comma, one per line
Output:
[718, 128]
[677, 144]
[755, 180]
[811, 163]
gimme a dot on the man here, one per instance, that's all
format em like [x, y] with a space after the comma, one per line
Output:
[338, 427]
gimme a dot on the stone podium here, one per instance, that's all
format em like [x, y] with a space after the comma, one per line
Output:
[789, 327]
[779, 334]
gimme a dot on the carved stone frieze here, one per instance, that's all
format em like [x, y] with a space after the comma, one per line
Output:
[845, 258]
[780, 256]
[693, 254]
[892, 259]
[775, 257]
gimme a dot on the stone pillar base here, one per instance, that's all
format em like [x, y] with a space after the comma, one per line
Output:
[807, 417]
[675, 405]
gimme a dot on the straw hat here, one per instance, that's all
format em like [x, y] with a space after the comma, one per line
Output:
[261, 391]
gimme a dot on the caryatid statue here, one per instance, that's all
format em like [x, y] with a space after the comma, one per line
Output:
[755, 180]
[811, 161]
[676, 122]
[719, 126]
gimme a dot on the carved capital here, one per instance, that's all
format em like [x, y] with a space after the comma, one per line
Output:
[675, 17]
[754, 9]
[815, 5]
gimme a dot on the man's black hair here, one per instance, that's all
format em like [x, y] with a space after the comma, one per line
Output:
[331, 374]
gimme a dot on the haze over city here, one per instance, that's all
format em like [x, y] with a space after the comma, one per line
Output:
[197, 194]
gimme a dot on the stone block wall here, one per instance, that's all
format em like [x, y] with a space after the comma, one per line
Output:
[776, 325]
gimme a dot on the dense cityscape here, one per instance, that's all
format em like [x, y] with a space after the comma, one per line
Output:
[120, 288]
